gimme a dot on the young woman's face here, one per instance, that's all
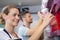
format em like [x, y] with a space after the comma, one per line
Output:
[13, 17]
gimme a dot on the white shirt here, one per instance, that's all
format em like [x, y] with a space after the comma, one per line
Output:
[22, 31]
[5, 36]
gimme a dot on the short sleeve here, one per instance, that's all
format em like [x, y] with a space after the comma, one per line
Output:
[22, 31]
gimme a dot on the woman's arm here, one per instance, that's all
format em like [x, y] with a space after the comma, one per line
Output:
[36, 26]
[38, 32]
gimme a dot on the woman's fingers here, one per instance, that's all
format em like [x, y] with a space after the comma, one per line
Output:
[48, 19]
[40, 14]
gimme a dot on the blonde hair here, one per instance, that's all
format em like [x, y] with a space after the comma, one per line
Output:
[1, 19]
[6, 9]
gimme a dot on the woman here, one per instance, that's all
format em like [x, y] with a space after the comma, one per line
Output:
[11, 17]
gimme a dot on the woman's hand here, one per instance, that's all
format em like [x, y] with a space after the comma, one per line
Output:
[40, 15]
[47, 19]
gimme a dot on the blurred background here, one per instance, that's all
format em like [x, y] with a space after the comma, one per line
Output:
[34, 6]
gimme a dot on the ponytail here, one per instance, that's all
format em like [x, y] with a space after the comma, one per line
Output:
[1, 19]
